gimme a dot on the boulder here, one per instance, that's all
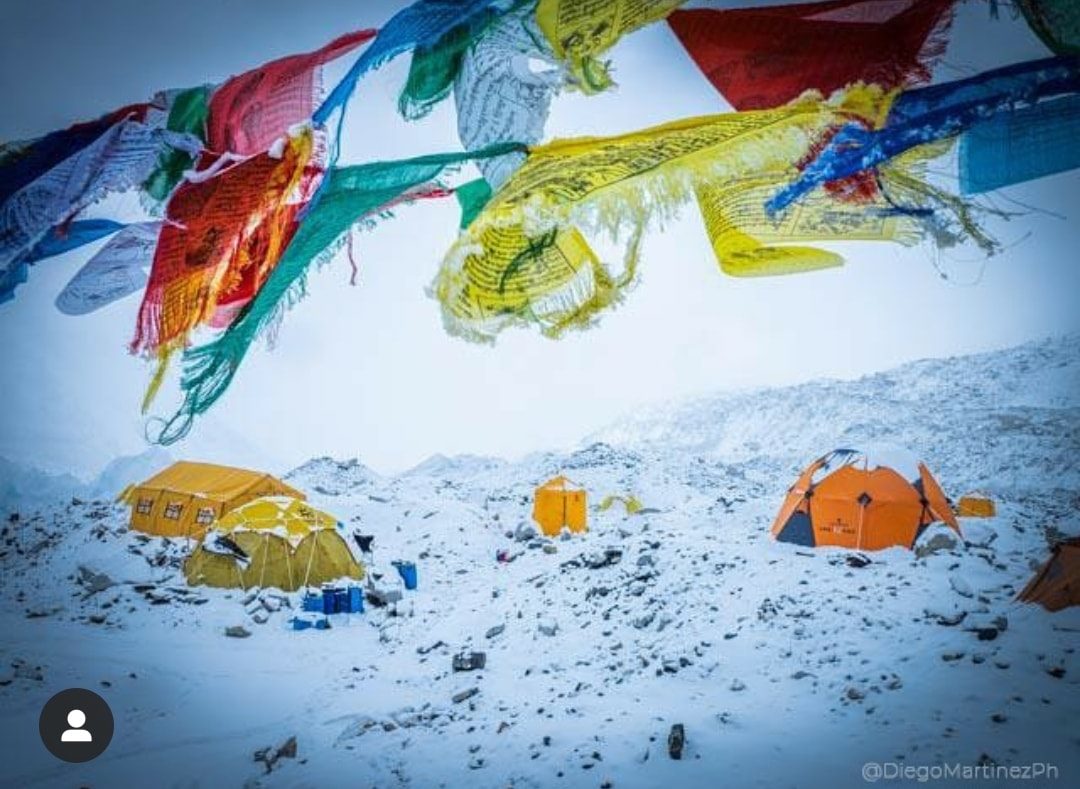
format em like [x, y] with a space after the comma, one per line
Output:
[525, 532]
[937, 538]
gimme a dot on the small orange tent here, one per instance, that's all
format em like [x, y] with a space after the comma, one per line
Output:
[184, 499]
[1057, 584]
[559, 502]
[847, 499]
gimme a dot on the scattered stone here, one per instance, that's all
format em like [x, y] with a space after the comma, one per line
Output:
[737, 685]
[998, 717]
[94, 582]
[644, 620]
[1057, 672]
[936, 539]
[949, 618]
[436, 645]
[857, 560]
[260, 617]
[550, 547]
[609, 557]
[23, 670]
[979, 535]
[237, 631]
[676, 740]
[464, 695]
[270, 756]
[960, 586]
[951, 657]
[548, 627]
[469, 661]
[854, 694]
[801, 674]
[497, 630]
[525, 532]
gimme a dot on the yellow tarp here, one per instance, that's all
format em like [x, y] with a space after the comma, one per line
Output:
[184, 499]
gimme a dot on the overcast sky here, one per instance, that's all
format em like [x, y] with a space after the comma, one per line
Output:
[369, 372]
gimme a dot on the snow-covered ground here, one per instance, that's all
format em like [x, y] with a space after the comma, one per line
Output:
[786, 666]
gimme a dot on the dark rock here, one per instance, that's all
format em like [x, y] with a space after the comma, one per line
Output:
[676, 740]
[237, 631]
[469, 661]
[464, 695]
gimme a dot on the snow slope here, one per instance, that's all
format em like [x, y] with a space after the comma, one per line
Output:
[787, 667]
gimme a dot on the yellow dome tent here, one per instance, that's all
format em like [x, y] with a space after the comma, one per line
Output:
[184, 499]
[630, 502]
[287, 543]
[558, 503]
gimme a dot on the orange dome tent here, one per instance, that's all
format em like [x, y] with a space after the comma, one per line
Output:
[1057, 584]
[852, 500]
[559, 502]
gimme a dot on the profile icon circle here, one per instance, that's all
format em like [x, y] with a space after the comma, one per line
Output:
[76, 725]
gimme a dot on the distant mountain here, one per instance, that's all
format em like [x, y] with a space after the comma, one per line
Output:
[1030, 393]
[26, 487]
[130, 469]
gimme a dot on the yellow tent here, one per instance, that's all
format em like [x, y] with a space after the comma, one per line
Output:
[184, 499]
[288, 544]
[976, 505]
[559, 502]
[631, 503]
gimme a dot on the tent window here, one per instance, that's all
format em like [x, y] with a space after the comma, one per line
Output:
[144, 506]
[205, 516]
[173, 510]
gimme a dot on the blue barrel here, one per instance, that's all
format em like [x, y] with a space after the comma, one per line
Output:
[341, 601]
[356, 600]
[407, 571]
[329, 598]
[313, 602]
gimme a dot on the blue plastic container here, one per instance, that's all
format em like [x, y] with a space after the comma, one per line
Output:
[312, 602]
[407, 571]
[300, 623]
[341, 601]
[329, 600]
[322, 624]
[356, 600]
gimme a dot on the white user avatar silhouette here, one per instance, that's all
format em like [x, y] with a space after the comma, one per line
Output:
[76, 719]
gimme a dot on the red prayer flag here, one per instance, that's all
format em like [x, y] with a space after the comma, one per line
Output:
[221, 239]
[248, 112]
[759, 58]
